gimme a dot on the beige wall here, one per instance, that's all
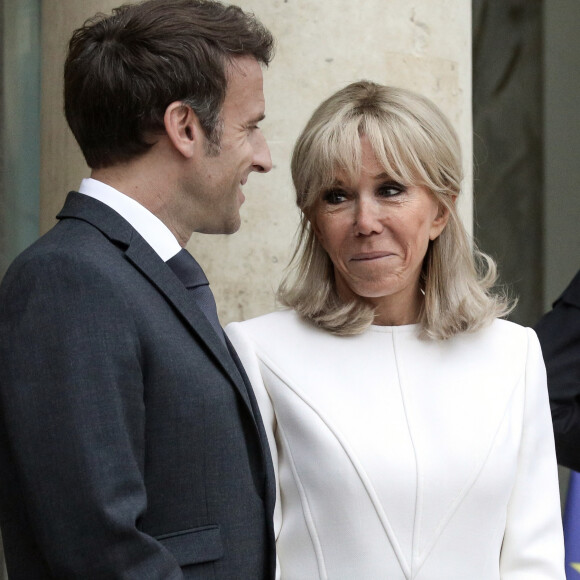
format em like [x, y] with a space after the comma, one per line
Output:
[322, 46]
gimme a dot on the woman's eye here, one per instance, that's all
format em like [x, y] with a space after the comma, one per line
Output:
[334, 196]
[390, 189]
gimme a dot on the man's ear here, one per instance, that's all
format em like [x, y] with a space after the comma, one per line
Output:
[182, 128]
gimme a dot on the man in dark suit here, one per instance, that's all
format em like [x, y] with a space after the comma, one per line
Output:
[131, 445]
[559, 334]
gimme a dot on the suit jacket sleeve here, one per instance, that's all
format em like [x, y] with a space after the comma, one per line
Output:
[533, 542]
[74, 412]
[559, 334]
[245, 348]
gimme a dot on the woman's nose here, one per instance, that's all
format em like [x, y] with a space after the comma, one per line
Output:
[368, 217]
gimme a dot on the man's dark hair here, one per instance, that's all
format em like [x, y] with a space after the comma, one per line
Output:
[123, 70]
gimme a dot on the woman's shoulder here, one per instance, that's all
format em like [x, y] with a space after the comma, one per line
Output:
[280, 319]
[506, 330]
[283, 334]
[281, 324]
[502, 338]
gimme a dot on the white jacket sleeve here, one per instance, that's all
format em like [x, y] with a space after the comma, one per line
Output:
[245, 348]
[533, 546]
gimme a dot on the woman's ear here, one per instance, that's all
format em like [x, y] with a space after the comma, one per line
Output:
[182, 128]
[441, 219]
[312, 221]
[314, 227]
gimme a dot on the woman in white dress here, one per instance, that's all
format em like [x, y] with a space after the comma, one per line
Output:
[409, 424]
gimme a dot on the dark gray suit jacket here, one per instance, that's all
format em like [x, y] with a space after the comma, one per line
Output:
[559, 334]
[131, 445]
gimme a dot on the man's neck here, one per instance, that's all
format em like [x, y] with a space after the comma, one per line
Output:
[150, 187]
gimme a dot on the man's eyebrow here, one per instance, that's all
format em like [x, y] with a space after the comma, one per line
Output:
[257, 119]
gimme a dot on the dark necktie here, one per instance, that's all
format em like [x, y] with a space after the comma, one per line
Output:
[190, 273]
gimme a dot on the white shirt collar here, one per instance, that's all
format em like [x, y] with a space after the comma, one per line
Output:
[149, 226]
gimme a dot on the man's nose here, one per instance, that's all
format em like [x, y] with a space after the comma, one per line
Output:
[262, 162]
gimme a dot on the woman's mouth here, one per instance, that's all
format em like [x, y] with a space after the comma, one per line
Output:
[367, 256]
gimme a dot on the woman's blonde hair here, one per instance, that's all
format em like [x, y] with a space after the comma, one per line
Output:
[416, 145]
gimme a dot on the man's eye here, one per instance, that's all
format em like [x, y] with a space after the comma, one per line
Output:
[334, 196]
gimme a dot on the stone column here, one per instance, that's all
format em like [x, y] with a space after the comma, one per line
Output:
[322, 46]
[61, 163]
[19, 127]
[3, 240]
[561, 146]
[507, 100]
[2, 207]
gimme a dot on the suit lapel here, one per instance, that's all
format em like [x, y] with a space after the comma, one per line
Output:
[142, 256]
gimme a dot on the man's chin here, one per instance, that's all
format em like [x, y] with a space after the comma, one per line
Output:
[225, 229]
[232, 230]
